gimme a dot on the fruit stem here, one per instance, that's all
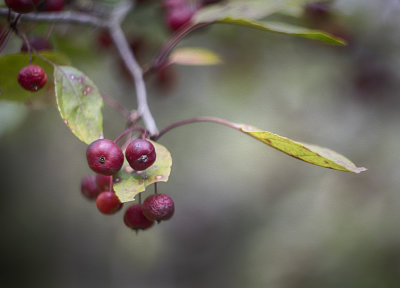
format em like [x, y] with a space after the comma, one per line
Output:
[155, 188]
[195, 120]
[130, 129]
[176, 38]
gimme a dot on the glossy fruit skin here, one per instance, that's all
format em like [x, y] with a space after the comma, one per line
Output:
[32, 77]
[53, 5]
[178, 17]
[22, 6]
[134, 218]
[108, 203]
[140, 154]
[89, 187]
[209, 2]
[158, 207]
[104, 157]
[37, 43]
[103, 182]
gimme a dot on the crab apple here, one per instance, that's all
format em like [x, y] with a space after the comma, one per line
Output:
[140, 154]
[179, 16]
[318, 12]
[171, 4]
[32, 77]
[89, 187]
[22, 6]
[209, 2]
[37, 43]
[103, 182]
[53, 5]
[158, 207]
[104, 157]
[134, 218]
[108, 203]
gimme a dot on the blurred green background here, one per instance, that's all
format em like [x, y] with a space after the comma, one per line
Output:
[246, 215]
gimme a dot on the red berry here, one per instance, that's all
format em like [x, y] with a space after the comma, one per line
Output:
[104, 157]
[179, 16]
[22, 6]
[89, 187]
[140, 154]
[32, 77]
[108, 203]
[171, 4]
[53, 5]
[135, 219]
[208, 2]
[158, 207]
[318, 12]
[103, 182]
[37, 43]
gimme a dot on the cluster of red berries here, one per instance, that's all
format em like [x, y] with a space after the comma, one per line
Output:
[105, 158]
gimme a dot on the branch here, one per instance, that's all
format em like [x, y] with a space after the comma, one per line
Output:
[131, 64]
[194, 120]
[71, 17]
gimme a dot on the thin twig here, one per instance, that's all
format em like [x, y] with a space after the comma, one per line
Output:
[195, 120]
[160, 59]
[70, 17]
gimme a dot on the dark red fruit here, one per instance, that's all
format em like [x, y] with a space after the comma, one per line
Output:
[318, 12]
[37, 43]
[32, 77]
[208, 2]
[108, 203]
[103, 182]
[179, 16]
[171, 4]
[158, 207]
[104, 157]
[53, 5]
[89, 187]
[22, 6]
[140, 154]
[135, 219]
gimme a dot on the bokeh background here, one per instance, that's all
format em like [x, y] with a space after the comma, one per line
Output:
[246, 215]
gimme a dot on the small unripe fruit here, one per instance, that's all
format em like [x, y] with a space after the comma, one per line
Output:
[89, 187]
[103, 182]
[134, 218]
[32, 77]
[104, 157]
[158, 207]
[140, 154]
[108, 203]
[22, 6]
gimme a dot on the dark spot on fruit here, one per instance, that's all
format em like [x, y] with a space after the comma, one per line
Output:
[102, 159]
[143, 158]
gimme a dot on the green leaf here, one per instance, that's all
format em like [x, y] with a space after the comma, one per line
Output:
[313, 154]
[255, 9]
[10, 66]
[79, 103]
[128, 183]
[283, 28]
[194, 56]
[249, 13]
